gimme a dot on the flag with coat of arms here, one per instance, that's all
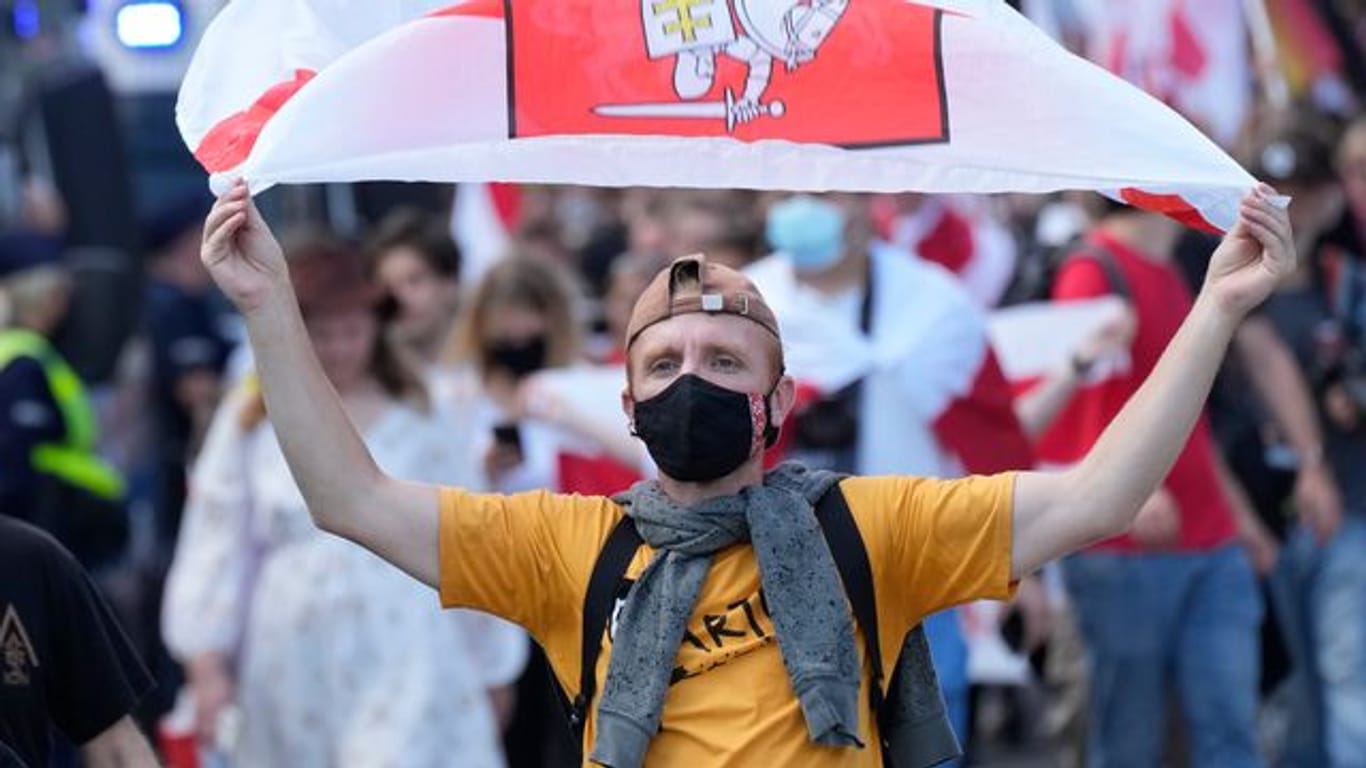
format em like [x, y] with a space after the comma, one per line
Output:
[856, 95]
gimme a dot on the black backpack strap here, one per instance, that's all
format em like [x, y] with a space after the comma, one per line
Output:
[851, 558]
[598, 602]
[1105, 259]
[907, 740]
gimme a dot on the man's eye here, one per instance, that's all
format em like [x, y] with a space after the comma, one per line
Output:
[727, 363]
[663, 366]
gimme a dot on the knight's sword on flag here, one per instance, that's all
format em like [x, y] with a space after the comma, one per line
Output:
[693, 110]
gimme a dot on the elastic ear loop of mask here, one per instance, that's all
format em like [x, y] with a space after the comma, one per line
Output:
[771, 430]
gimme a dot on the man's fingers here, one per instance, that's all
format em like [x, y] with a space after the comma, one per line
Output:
[1270, 208]
[225, 206]
[1264, 219]
[220, 213]
[232, 221]
[1262, 234]
[221, 238]
[1280, 217]
[1276, 232]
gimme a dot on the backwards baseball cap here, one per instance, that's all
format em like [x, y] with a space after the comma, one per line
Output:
[693, 284]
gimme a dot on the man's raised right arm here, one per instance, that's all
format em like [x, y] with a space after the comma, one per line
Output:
[346, 492]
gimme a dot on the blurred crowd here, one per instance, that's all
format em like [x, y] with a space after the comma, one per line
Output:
[476, 340]
[503, 374]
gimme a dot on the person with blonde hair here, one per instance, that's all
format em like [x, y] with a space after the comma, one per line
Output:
[521, 319]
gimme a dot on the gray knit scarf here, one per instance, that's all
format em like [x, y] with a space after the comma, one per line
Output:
[810, 612]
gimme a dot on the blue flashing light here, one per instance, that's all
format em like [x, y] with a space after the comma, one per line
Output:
[26, 20]
[149, 24]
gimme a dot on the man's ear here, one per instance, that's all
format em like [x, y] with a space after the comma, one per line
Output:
[628, 407]
[781, 401]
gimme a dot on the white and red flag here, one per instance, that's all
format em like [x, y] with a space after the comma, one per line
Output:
[1193, 54]
[934, 400]
[874, 95]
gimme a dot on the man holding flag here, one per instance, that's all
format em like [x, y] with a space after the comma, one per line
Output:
[733, 559]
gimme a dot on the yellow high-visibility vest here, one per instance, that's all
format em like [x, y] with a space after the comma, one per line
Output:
[73, 460]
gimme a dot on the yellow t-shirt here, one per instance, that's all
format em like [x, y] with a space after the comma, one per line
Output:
[528, 557]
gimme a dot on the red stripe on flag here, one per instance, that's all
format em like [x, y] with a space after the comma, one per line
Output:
[490, 9]
[1173, 206]
[229, 143]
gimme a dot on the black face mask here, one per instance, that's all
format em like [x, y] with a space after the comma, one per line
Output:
[519, 358]
[697, 431]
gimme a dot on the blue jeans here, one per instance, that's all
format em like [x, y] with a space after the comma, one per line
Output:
[1320, 595]
[1185, 619]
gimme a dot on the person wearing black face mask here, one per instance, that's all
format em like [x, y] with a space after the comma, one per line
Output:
[519, 321]
[697, 431]
[730, 639]
[518, 359]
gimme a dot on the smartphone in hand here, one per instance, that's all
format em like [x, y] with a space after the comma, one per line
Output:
[508, 436]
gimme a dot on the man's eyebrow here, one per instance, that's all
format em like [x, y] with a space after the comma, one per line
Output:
[729, 346]
[653, 349]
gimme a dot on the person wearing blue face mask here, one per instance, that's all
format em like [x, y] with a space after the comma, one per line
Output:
[894, 347]
[733, 641]
[809, 231]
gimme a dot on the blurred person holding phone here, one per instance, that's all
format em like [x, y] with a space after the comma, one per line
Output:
[521, 319]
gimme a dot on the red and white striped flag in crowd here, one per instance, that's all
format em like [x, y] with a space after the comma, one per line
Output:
[874, 95]
[1037, 339]
[934, 400]
[1192, 54]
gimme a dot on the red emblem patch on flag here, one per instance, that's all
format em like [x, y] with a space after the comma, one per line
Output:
[866, 73]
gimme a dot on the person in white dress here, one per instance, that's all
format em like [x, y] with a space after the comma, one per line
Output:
[331, 657]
